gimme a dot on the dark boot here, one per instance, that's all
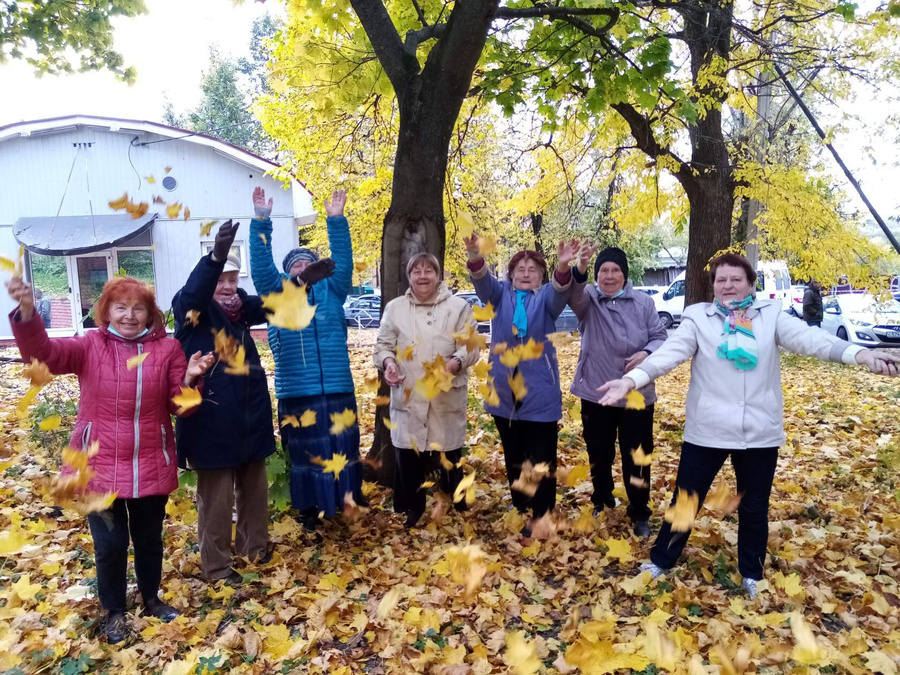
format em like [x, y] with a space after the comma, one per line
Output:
[157, 608]
[641, 528]
[115, 627]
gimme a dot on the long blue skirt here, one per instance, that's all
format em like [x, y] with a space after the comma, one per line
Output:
[311, 488]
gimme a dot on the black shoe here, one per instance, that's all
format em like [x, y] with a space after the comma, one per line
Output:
[234, 579]
[157, 608]
[115, 627]
[310, 523]
[525, 532]
[265, 558]
[412, 519]
[361, 501]
[641, 528]
[461, 506]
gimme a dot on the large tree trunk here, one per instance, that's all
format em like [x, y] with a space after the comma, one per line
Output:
[709, 231]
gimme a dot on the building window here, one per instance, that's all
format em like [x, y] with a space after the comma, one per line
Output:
[238, 249]
[136, 263]
[50, 281]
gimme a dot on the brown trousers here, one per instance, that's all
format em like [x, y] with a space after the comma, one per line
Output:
[217, 491]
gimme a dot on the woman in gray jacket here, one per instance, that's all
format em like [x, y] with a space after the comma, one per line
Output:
[734, 403]
[619, 329]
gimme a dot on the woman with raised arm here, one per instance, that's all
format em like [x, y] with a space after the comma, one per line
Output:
[312, 366]
[734, 402]
[128, 372]
[528, 403]
[619, 329]
[429, 428]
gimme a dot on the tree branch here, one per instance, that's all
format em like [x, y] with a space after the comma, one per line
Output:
[646, 140]
[555, 12]
[386, 42]
[416, 37]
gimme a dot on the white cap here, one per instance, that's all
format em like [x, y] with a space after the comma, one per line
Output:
[232, 264]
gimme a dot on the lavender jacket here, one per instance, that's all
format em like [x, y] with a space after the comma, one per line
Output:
[612, 329]
[543, 402]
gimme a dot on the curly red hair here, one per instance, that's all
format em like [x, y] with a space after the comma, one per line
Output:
[126, 287]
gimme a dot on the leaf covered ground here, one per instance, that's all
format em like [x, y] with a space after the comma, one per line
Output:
[466, 594]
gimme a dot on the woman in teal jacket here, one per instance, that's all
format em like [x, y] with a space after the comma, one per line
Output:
[312, 366]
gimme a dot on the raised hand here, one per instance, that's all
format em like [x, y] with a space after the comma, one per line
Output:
[261, 208]
[315, 272]
[566, 252]
[335, 207]
[473, 246]
[224, 240]
[197, 366]
[615, 390]
[21, 293]
[585, 254]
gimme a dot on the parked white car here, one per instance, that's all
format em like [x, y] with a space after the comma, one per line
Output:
[773, 282]
[651, 290]
[859, 318]
[796, 304]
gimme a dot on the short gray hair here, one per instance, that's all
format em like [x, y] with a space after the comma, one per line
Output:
[423, 257]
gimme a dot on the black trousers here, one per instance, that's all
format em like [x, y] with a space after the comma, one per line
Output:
[755, 471]
[633, 428]
[535, 442]
[410, 471]
[143, 518]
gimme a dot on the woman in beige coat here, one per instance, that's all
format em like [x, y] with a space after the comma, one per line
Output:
[426, 370]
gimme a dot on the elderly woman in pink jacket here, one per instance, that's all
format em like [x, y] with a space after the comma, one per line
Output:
[128, 371]
[734, 403]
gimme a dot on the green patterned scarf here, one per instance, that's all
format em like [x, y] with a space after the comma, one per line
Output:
[738, 342]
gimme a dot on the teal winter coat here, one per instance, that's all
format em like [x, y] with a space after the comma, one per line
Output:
[313, 361]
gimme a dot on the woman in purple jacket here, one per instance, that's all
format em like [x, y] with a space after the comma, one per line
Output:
[619, 328]
[526, 308]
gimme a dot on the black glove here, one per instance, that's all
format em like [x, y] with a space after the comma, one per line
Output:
[314, 272]
[224, 240]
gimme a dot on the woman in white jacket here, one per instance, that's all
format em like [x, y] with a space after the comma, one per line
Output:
[734, 402]
[429, 427]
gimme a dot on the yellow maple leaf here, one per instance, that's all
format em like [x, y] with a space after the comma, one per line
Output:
[465, 224]
[120, 203]
[276, 645]
[471, 339]
[405, 353]
[619, 549]
[521, 655]
[435, 380]
[634, 400]
[192, 316]
[92, 502]
[659, 648]
[206, 227]
[27, 400]
[13, 539]
[446, 464]
[136, 360]
[150, 179]
[237, 364]
[489, 392]
[577, 474]
[224, 345]
[50, 423]
[487, 244]
[485, 313]
[682, 514]
[467, 567]
[464, 485]
[38, 373]
[290, 419]
[481, 369]
[641, 458]
[335, 465]
[722, 499]
[341, 421]
[597, 657]
[360, 265]
[790, 583]
[517, 385]
[308, 418]
[807, 649]
[561, 339]
[187, 399]
[137, 210]
[531, 350]
[172, 210]
[24, 589]
[289, 309]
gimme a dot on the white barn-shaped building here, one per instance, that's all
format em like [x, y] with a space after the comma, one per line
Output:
[59, 175]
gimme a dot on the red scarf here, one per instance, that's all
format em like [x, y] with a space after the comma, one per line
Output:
[232, 307]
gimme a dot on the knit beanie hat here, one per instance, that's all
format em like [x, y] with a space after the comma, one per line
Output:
[613, 255]
[298, 254]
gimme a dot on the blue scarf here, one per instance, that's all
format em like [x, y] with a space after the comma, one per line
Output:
[136, 337]
[520, 318]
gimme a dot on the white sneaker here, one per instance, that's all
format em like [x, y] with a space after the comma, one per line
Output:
[654, 570]
[749, 585]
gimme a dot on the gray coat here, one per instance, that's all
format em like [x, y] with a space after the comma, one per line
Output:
[612, 329]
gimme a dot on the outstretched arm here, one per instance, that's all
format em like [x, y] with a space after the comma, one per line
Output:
[488, 289]
[263, 271]
[560, 286]
[341, 245]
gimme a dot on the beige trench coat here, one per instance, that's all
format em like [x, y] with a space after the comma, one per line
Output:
[429, 328]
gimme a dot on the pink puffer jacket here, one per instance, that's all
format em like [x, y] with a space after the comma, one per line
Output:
[127, 411]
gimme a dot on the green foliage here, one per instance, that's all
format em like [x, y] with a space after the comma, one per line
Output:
[279, 474]
[60, 36]
[49, 274]
[48, 406]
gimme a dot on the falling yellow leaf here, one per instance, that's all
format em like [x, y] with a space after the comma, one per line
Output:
[530, 477]
[7, 265]
[517, 385]
[485, 313]
[187, 213]
[187, 399]
[92, 502]
[290, 419]
[489, 392]
[193, 317]
[634, 400]
[206, 227]
[381, 400]
[27, 400]
[435, 380]
[560, 340]
[265, 240]
[390, 426]
[360, 265]
[335, 465]
[136, 360]
[341, 421]
[172, 210]
[487, 244]
[520, 654]
[807, 649]
[120, 203]
[464, 484]
[659, 648]
[158, 200]
[308, 418]
[224, 345]
[289, 309]
[722, 499]
[481, 369]
[50, 423]
[467, 567]
[405, 353]
[38, 373]
[137, 210]
[577, 474]
[446, 464]
[682, 514]
[237, 365]
[641, 458]
[465, 224]
[168, 169]
[471, 339]
[150, 179]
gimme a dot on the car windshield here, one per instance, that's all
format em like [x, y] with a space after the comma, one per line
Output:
[866, 304]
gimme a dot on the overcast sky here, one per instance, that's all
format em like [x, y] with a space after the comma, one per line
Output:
[169, 46]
